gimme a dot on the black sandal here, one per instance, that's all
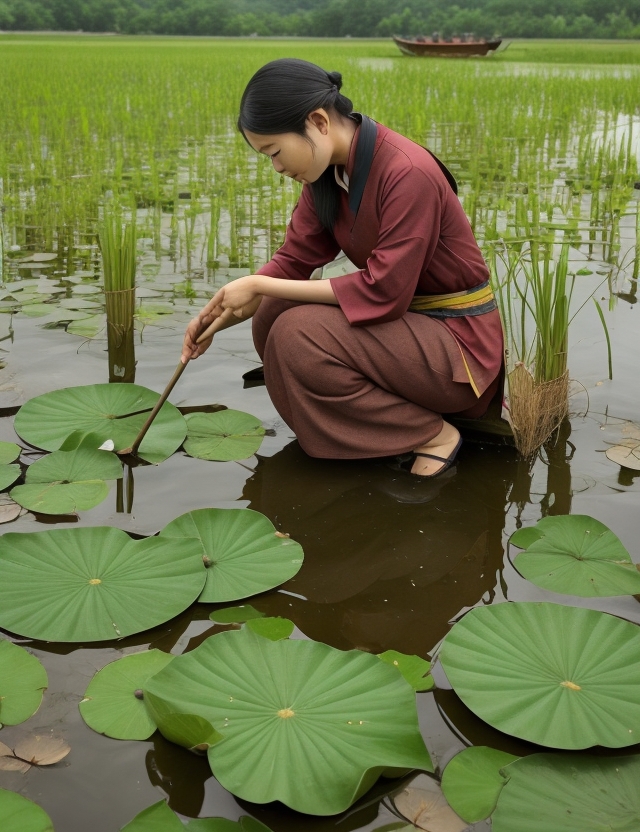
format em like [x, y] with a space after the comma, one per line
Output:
[448, 461]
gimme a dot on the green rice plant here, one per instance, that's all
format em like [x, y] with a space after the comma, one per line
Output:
[118, 241]
[118, 244]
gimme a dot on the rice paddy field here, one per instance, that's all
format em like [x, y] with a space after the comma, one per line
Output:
[544, 140]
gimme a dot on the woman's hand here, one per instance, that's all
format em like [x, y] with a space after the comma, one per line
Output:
[239, 295]
[219, 315]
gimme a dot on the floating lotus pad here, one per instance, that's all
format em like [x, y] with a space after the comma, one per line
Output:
[626, 454]
[576, 555]
[113, 701]
[472, 781]
[160, 818]
[9, 452]
[113, 411]
[570, 792]
[245, 552]
[225, 435]
[272, 628]
[415, 670]
[67, 481]
[93, 584]
[563, 677]
[17, 814]
[302, 722]
[236, 615]
[23, 680]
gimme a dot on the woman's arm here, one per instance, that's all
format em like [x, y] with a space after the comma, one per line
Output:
[239, 300]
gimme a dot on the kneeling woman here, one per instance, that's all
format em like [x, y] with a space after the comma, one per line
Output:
[362, 365]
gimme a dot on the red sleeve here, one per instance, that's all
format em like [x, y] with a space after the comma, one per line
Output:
[307, 246]
[410, 216]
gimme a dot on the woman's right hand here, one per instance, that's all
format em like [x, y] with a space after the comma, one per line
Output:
[207, 315]
[213, 314]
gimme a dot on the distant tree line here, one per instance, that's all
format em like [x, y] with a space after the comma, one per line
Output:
[330, 18]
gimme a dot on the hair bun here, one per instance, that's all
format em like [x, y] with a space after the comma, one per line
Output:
[335, 78]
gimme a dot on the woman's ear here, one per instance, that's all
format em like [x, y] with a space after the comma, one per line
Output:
[320, 120]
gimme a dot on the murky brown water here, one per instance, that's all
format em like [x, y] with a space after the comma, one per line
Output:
[388, 562]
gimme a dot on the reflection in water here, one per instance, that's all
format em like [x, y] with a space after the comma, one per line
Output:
[389, 559]
[120, 308]
[180, 774]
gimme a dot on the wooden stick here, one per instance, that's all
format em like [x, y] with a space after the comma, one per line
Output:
[211, 329]
[172, 383]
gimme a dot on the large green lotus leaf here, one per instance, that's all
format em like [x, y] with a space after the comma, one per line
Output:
[564, 677]
[67, 481]
[570, 793]
[302, 722]
[113, 411]
[576, 555]
[17, 814]
[8, 475]
[225, 435]
[92, 584]
[9, 452]
[472, 781]
[245, 553]
[112, 703]
[23, 680]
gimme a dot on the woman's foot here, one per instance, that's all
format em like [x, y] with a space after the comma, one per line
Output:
[444, 445]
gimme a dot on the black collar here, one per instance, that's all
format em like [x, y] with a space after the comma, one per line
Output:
[364, 159]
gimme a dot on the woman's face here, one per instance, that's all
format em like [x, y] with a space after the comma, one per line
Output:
[295, 156]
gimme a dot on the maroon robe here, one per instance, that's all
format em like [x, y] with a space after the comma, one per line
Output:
[411, 236]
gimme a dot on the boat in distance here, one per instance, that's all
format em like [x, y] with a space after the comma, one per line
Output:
[451, 47]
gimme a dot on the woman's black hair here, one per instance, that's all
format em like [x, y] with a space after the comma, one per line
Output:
[279, 98]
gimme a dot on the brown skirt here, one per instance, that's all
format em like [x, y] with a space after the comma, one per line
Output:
[351, 392]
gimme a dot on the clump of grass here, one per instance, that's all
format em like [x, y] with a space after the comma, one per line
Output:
[118, 244]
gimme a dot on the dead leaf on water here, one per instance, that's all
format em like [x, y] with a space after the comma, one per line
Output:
[423, 803]
[626, 454]
[8, 762]
[9, 510]
[42, 751]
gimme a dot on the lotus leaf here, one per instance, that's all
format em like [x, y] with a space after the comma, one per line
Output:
[23, 680]
[245, 553]
[89, 327]
[113, 411]
[8, 475]
[570, 792]
[93, 584]
[17, 814]
[415, 670]
[472, 781]
[272, 628]
[225, 435]
[112, 703]
[36, 310]
[302, 722]
[576, 555]
[9, 452]
[41, 751]
[564, 677]
[160, 818]
[236, 615]
[188, 730]
[67, 481]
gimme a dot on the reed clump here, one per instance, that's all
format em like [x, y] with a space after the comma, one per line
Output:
[117, 238]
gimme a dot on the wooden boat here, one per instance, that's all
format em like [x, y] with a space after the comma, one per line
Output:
[452, 47]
